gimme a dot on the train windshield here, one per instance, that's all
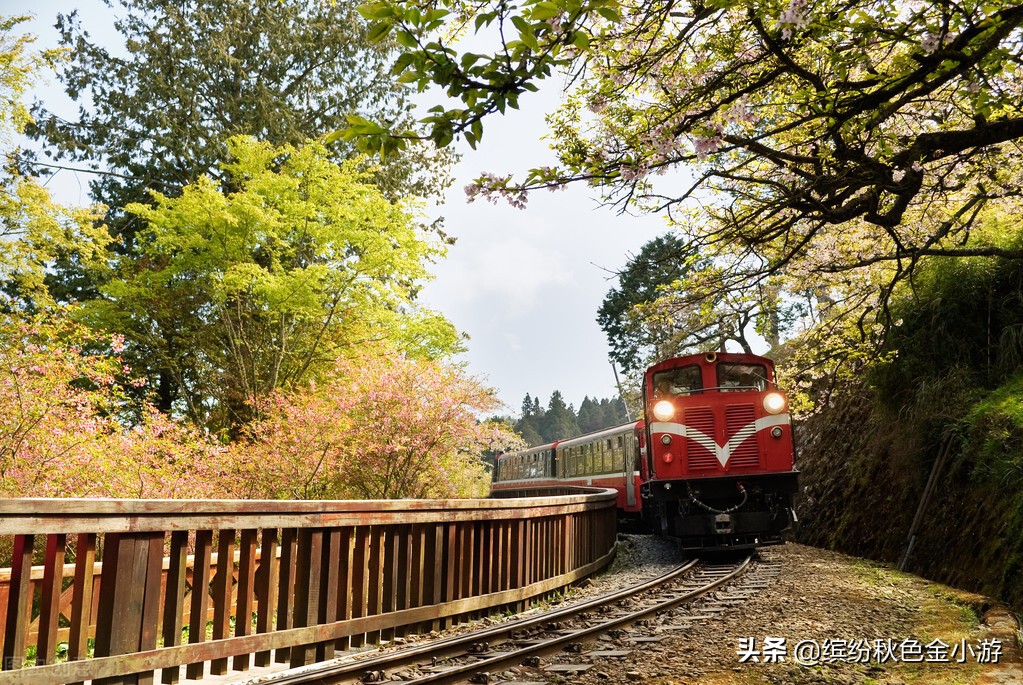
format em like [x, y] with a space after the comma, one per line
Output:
[682, 381]
[739, 377]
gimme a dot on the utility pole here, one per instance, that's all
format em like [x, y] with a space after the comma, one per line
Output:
[628, 414]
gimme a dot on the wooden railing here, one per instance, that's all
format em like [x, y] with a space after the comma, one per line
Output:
[105, 590]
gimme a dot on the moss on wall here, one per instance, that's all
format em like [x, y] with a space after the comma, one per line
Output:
[864, 468]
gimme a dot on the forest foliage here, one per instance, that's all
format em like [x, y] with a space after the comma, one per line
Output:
[539, 425]
[239, 318]
[811, 156]
[842, 182]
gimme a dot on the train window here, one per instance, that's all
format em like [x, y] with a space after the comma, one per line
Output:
[738, 377]
[682, 381]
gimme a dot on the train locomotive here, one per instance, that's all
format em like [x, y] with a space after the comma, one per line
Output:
[711, 465]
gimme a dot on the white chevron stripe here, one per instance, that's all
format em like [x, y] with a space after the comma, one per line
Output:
[721, 452]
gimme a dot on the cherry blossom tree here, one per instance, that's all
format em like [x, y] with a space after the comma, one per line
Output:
[815, 151]
[380, 425]
[68, 429]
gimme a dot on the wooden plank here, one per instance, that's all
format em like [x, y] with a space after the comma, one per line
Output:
[69, 508]
[432, 576]
[330, 568]
[449, 540]
[518, 552]
[417, 573]
[344, 583]
[72, 516]
[477, 555]
[223, 587]
[374, 572]
[498, 572]
[246, 593]
[286, 588]
[360, 556]
[152, 578]
[389, 580]
[309, 563]
[200, 599]
[569, 542]
[403, 572]
[117, 552]
[174, 598]
[19, 603]
[467, 559]
[49, 606]
[266, 589]
[81, 603]
[122, 594]
[507, 557]
[487, 560]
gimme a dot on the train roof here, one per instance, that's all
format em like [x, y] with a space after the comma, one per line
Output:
[528, 450]
[597, 435]
[704, 357]
[587, 437]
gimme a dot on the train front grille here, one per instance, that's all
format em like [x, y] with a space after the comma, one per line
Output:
[747, 453]
[701, 419]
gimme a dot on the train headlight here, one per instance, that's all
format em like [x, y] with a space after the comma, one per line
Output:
[664, 410]
[774, 403]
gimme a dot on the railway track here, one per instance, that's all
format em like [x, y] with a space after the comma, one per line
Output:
[477, 656]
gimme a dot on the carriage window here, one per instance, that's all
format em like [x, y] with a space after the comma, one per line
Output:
[683, 381]
[737, 377]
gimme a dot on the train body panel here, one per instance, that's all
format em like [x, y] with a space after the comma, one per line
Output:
[712, 465]
[608, 458]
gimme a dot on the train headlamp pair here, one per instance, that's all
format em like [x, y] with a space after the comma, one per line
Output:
[774, 403]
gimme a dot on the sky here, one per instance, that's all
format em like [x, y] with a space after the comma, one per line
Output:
[523, 284]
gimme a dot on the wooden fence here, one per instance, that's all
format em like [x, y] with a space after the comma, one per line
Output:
[105, 590]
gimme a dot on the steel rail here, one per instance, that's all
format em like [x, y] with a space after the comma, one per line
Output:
[349, 671]
[456, 642]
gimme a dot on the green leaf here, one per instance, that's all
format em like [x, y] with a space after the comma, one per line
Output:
[545, 10]
[406, 40]
[378, 31]
[375, 11]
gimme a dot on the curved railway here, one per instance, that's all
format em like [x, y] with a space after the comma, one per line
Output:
[473, 657]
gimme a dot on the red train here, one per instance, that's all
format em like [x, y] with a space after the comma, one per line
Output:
[712, 465]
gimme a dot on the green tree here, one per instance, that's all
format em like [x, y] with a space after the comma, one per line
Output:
[157, 116]
[528, 425]
[648, 316]
[559, 421]
[227, 296]
[589, 417]
[36, 232]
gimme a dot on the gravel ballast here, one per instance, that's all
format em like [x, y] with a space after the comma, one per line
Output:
[861, 608]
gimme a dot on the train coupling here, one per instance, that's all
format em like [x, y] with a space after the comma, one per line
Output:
[724, 524]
